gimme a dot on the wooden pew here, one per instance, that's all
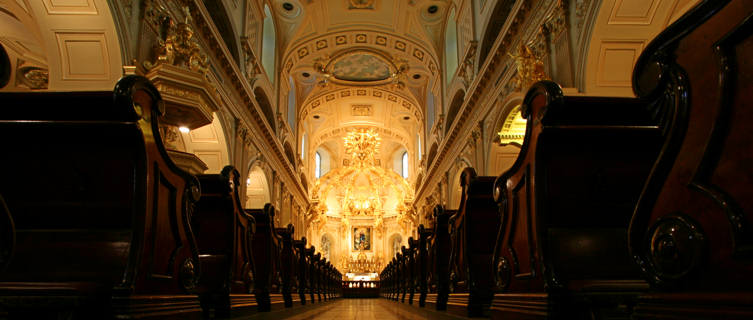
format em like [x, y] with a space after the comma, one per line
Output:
[287, 266]
[439, 252]
[567, 202]
[692, 230]
[266, 247]
[473, 235]
[674, 151]
[412, 268]
[223, 232]
[302, 269]
[100, 213]
[424, 238]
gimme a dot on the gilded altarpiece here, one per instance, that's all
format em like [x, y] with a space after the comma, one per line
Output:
[360, 206]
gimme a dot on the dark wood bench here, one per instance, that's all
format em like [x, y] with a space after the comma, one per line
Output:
[223, 232]
[570, 199]
[100, 213]
[266, 251]
[424, 263]
[473, 233]
[567, 201]
[288, 261]
[692, 229]
[439, 258]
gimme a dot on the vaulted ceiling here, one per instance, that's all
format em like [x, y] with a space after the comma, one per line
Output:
[360, 63]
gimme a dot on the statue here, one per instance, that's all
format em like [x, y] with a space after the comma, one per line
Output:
[530, 69]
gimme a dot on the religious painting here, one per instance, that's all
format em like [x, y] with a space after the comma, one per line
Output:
[361, 238]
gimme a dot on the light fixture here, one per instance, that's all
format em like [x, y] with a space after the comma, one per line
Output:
[184, 129]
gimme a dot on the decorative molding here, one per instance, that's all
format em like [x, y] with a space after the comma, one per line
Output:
[315, 101]
[31, 76]
[189, 98]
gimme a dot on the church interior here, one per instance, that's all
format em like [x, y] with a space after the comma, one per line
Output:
[438, 159]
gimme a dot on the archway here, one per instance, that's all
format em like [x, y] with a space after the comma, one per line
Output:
[509, 133]
[257, 188]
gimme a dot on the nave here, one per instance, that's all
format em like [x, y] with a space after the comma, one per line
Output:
[365, 309]
[130, 202]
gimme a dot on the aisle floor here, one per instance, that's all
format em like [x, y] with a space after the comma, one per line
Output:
[361, 309]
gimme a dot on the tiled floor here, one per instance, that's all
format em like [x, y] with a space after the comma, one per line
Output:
[361, 309]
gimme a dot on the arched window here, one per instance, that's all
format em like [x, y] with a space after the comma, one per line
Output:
[303, 147]
[291, 105]
[420, 151]
[268, 45]
[450, 46]
[405, 165]
[429, 109]
[317, 165]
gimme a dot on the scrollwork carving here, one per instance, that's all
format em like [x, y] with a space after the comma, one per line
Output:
[676, 246]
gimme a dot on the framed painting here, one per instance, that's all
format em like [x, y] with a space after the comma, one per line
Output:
[361, 238]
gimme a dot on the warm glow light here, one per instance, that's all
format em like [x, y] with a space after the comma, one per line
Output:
[184, 129]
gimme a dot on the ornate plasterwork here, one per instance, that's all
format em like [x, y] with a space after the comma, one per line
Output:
[326, 45]
[361, 4]
[31, 76]
[362, 191]
[385, 133]
[315, 101]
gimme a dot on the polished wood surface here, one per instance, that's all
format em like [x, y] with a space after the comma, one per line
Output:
[692, 230]
[223, 232]
[100, 212]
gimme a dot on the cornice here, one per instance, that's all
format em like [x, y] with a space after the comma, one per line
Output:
[253, 117]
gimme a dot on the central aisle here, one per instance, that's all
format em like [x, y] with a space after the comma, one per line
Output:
[362, 309]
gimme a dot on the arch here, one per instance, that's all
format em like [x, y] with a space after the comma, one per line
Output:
[394, 243]
[405, 165]
[327, 247]
[455, 191]
[497, 19]
[269, 39]
[317, 165]
[291, 104]
[457, 102]
[504, 148]
[257, 188]
[266, 107]
[450, 46]
[325, 161]
[397, 160]
[430, 108]
[219, 15]
[208, 143]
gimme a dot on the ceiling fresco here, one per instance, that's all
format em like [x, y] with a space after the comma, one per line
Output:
[361, 67]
